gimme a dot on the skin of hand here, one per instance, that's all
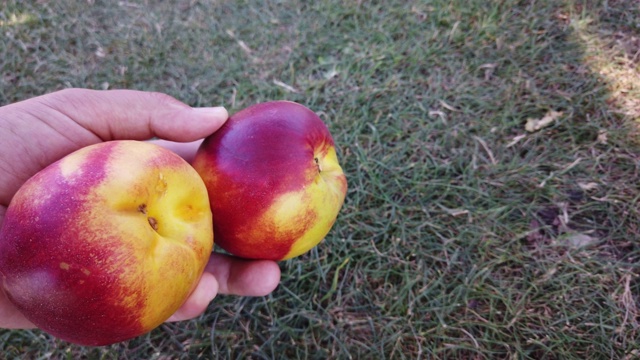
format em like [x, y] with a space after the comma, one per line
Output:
[39, 131]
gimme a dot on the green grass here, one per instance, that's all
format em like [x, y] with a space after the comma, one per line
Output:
[456, 241]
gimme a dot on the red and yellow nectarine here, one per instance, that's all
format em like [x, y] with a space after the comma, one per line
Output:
[107, 243]
[274, 181]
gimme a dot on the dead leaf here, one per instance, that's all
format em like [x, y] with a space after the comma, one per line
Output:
[100, 52]
[454, 212]
[438, 113]
[588, 186]
[486, 148]
[331, 74]
[602, 137]
[547, 275]
[488, 70]
[535, 235]
[287, 87]
[516, 140]
[447, 106]
[579, 240]
[457, 212]
[537, 124]
[572, 165]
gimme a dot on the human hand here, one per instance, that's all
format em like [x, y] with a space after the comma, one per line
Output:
[36, 132]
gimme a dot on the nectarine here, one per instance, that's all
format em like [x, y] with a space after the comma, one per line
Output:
[274, 181]
[107, 243]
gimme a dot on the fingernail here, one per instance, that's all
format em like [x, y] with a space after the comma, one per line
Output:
[218, 111]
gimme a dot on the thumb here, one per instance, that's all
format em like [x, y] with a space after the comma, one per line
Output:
[135, 115]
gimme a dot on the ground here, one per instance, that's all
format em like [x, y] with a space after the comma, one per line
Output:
[491, 149]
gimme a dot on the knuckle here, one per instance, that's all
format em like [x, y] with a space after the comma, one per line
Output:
[165, 99]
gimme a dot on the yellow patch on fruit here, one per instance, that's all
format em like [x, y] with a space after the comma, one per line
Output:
[154, 220]
[317, 196]
[73, 165]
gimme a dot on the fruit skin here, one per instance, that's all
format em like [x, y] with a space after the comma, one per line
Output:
[274, 181]
[107, 243]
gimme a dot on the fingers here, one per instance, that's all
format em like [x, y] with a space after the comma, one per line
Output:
[229, 275]
[244, 277]
[135, 115]
[197, 303]
[10, 317]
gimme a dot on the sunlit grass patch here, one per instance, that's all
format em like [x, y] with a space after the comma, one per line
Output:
[615, 55]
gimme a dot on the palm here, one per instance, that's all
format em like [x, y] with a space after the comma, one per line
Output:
[20, 159]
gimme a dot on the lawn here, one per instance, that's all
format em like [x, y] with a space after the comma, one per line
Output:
[491, 148]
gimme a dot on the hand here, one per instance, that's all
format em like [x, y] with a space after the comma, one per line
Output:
[36, 132]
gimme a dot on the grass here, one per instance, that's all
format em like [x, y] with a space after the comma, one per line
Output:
[463, 235]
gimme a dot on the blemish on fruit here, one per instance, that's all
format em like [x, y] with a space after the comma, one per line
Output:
[142, 208]
[64, 266]
[318, 164]
[161, 185]
[86, 271]
[153, 222]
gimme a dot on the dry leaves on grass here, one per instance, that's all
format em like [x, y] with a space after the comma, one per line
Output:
[534, 125]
